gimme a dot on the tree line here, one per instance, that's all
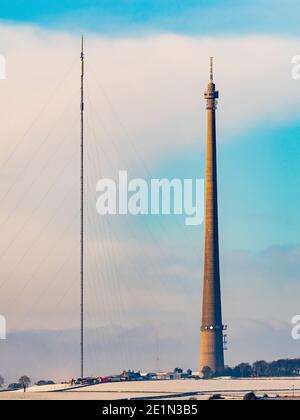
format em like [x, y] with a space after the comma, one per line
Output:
[24, 382]
[282, 367]
[261, 368]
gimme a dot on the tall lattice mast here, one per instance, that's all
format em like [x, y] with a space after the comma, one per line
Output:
[81, 211]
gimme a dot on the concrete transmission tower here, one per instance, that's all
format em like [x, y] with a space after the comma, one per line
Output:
[211, 339]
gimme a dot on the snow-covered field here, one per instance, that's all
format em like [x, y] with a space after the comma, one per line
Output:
[46, 388]
[179, 389]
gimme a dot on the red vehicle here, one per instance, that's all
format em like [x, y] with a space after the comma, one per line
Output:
[103, 380]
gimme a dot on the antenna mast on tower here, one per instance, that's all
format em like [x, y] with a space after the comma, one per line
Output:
[211, 72]
[81, 205]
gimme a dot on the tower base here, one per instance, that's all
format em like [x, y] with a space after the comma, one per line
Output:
[211, 350]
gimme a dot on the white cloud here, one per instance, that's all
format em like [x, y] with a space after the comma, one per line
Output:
[154, 84]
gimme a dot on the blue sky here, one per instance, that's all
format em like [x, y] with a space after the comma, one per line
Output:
[188, 17]
[155, 84]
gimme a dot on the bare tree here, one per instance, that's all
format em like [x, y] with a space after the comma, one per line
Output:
[1, 381]
[24, 381]
[245, 370]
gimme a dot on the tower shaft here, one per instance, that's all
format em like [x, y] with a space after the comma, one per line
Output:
[211, 340]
